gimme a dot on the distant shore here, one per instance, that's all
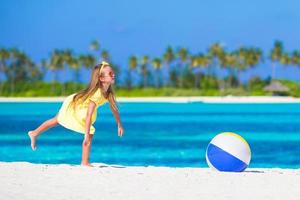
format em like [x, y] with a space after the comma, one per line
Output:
[200, 99]
[27, 181]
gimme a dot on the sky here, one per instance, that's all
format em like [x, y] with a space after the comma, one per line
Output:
[137, 27]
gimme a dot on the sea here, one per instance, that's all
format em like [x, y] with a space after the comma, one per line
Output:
[156, 134]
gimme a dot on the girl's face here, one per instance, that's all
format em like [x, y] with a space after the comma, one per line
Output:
[108, 75]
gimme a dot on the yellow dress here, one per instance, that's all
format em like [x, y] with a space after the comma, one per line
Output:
[74, 119]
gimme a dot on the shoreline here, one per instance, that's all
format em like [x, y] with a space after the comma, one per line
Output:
[192, 99]
[25, 180]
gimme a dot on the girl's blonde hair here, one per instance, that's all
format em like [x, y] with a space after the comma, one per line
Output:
[94, 84]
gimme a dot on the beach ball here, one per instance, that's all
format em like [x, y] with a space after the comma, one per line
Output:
[228, 152]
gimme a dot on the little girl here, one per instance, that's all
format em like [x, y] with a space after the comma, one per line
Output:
[79, 110]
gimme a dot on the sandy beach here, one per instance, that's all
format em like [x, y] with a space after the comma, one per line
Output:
[27, 181]
[203, 99]
[22, 180]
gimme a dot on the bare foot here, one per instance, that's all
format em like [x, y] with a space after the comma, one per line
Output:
[87, 165]
[32, 139]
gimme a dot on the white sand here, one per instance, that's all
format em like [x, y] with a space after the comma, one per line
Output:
[219, 99]
[20, 180]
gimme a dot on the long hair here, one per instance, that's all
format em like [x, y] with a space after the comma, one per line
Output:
[94, 84]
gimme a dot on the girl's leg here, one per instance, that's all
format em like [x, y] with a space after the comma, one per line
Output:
[43, 127]
[86, 147]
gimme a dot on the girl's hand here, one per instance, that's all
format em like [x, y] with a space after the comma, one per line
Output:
[120, 130]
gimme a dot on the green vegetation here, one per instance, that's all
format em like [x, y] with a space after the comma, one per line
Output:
[176, 73]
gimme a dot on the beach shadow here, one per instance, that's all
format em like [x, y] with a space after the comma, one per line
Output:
[253, 171]
[112, 166]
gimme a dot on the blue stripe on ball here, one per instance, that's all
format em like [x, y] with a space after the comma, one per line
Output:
[224, 161]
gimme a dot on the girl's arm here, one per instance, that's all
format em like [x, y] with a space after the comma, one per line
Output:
[117, 117]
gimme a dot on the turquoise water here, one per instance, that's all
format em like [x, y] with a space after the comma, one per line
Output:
[157, 134]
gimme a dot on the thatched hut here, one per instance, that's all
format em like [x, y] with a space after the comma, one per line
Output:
[277, 88]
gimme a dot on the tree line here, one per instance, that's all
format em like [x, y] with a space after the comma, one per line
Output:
[176, 68]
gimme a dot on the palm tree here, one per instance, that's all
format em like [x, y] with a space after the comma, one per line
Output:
[276, 54]
[12, 67]
[34, 73]
[231, 62]
[156, 62]
[242, 61]
[144, 69]
[286, 59]
[132, 64]
[217, 53]
[253, 58]
[168, 58]
[87, 61]
[197, 62]
[67, 57]
[95, 46]
[20, 69]
[44, 66]
[105, 56]
[75, 65]
[183, 58]
[4, 56]
[90, 61]
[296, 58]
[16, 67]
[56, 64]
